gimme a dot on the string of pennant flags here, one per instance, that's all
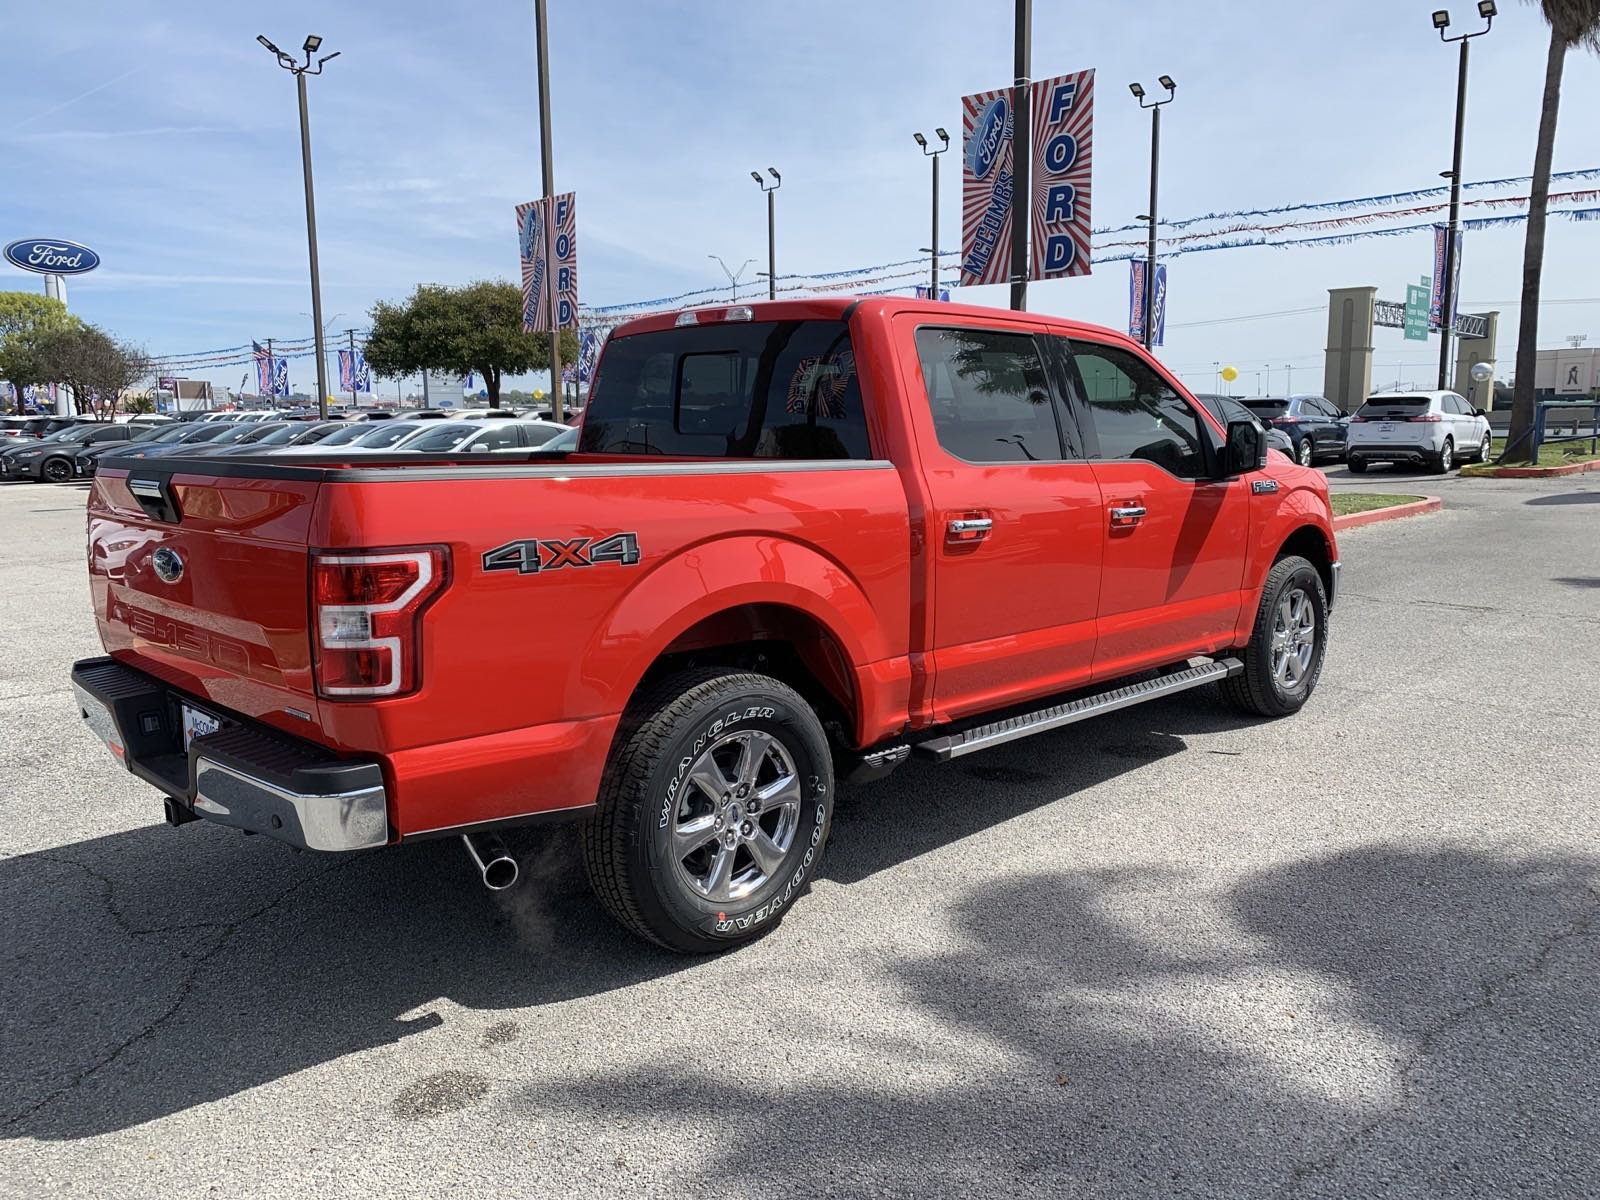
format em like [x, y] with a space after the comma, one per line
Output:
[1246, 228]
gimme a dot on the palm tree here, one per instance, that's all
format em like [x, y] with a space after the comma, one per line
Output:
[1572, 23]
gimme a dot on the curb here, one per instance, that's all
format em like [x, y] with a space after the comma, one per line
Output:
[1536, 472]
[1372, 516]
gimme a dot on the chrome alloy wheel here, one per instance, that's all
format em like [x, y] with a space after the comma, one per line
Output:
[738, 809]
[1294, 639]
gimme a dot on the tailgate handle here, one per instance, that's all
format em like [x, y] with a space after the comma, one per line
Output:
[155, 496]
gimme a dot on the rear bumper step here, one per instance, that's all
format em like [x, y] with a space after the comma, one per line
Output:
[1045, 719]
[244, 774]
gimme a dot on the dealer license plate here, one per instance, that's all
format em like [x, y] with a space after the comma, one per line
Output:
[1386, 428]
[197, 724]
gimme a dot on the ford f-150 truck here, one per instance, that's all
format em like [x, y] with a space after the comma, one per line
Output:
[796, 543]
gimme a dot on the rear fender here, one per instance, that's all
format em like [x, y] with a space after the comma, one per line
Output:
[730, 573]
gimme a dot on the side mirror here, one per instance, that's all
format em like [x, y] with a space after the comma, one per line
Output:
[1478, 412]
[1245, 450]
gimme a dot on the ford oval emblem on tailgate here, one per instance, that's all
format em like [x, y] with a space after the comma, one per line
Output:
[168, 564]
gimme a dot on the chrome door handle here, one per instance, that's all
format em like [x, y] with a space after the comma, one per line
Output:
[971, 525]
[1131, 513]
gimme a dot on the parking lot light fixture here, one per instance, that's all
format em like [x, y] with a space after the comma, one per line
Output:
[772, 227]
[300, 70]
[1154, 106]
[934, 153]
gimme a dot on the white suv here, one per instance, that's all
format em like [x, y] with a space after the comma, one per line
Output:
[1432, 429]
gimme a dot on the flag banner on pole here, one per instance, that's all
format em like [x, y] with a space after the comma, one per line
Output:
[354, 374]
[264, 378]
[986, 185]
[538, 238]
[1136, 299]
[588, 354]
[1436, 304]
[1058, 212]
[924, 292]
[1158, 306]
[1455, 281]
[280, 376]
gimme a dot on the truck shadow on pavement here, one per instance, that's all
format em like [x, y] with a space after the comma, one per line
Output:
[153, 970]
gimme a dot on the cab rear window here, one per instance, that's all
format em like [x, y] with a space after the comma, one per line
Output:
[769, 389]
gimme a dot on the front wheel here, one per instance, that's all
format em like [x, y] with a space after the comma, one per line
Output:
[713, 811]
[57, 470]
[1486, 448]
[1283, 659]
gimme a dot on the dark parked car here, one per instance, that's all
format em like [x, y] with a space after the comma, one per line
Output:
[238, 438]
[52, 456]
[1226, 408]
[88, 457]
[295, 433]
[1317, 428]
[188, 435]
[39, 427]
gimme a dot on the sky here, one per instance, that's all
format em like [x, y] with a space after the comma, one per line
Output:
[163, 136]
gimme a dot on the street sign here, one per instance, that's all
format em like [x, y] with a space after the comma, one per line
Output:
[1418, 311]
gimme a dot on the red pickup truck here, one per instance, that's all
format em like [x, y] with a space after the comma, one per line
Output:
[797, 542]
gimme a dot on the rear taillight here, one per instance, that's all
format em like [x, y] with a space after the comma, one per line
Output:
[1427, 418]
[366, 610]
[1285, 420]
[1358, 420]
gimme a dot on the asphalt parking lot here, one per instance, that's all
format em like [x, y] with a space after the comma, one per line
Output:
[1168, 953]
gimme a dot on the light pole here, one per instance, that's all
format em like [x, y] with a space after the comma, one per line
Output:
[772, 227]
[733, 276]
[325, 324]
[300, 70]
[1155, 166]
[547, 172]
[1452, 232]
[928, 151]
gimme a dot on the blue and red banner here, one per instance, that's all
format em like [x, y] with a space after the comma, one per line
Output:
[1062, 126]
[547, 241]
[1158, 308]
[354, 374]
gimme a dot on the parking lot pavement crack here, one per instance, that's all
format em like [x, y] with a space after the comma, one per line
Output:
[1452, 606]
[1489, 990]
[196, 964]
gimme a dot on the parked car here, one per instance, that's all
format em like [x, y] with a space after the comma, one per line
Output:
[52, 457]
[768, 571]
[38, 427]
[359, 437]
[189, 435]
[1431, 429]
[564, 442]
[1315, 426]
[293, 433]
[484, 414]
[238, 437]
[13, 430]
[503, 437]
[87, 459]
[1226, 408]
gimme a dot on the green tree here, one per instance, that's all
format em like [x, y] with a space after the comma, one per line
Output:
[1572, 23]
[96, 366]
[477, 328]
[23, 317]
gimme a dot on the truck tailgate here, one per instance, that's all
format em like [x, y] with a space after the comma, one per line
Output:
[201, 580]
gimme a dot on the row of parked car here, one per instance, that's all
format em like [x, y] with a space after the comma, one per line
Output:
[75, 448]
[1431, 430]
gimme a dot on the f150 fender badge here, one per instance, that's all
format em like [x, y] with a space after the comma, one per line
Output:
[534, 555]
[1263, 487]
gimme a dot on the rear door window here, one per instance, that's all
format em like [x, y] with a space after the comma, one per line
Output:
[730, 389]
[990, 395]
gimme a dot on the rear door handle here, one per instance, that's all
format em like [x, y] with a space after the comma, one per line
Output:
[1127, 515]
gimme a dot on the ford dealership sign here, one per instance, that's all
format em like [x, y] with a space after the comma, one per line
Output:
[51, 256]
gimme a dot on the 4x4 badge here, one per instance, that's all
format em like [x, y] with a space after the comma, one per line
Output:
[533, 555]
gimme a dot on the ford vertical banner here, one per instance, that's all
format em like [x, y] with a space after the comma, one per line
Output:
[1436, 304]
[1158, 307]
[538, 236]
[1063, 138]
[1136, 299]
[986, 181]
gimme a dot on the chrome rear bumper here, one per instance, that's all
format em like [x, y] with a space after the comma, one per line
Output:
[244, 775]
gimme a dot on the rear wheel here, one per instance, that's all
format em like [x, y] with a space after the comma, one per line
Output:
[1445, 459]
[1283, 659]
[713, 811]
[1303, 453]
[1357, 466]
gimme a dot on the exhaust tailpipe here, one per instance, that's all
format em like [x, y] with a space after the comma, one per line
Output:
[493, 860]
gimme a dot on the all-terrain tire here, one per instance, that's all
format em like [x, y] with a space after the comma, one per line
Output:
[655, 776]
[1259, 689]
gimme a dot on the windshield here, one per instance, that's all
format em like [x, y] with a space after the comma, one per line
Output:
[385, 433]
[768, 389]
[148, 433]
[205, 433]
[440, 438]
[259, 433]
[346, 435]
[237, 434]
[317, 433]
[70, 434]
[1395, 406]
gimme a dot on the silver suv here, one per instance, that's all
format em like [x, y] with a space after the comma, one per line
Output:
[1436, 430]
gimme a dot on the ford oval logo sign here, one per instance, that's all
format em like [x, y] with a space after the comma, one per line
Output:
[51, 256]
[988, 137]
[168, 564]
